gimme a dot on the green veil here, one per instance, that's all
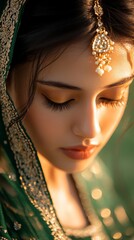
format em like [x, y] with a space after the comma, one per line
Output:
[22, 150]
[26, 207]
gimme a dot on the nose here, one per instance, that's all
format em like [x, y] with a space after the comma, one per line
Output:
[87, 122]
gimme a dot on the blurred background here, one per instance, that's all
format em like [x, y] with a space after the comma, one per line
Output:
[121, 144]
[118, 155]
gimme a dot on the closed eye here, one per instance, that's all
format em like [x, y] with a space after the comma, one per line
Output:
[55, 106]
[112, 102]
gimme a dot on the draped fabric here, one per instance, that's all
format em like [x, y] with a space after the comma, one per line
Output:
[20, 219]
[26, 207]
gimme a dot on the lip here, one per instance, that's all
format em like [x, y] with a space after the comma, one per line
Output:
[79, 152]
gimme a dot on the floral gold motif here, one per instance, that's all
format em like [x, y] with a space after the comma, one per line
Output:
[31, 175]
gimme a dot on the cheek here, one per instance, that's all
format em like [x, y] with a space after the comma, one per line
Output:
[43, 125]
[111, 116]
[109, 119]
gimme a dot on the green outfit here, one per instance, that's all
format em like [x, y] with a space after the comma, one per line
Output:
[26, 208]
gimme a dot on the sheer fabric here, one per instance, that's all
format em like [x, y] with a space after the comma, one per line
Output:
[26, 207]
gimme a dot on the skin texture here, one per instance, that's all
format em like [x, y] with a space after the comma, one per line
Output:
[94, 112]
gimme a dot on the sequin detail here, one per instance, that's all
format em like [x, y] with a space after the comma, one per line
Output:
[31, 176]
[17, 226]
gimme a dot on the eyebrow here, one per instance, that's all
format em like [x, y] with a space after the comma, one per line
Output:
[67, 86]
[121, 82]
[58, 84]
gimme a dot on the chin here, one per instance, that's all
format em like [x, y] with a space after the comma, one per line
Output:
[66, 164]
[75, 166]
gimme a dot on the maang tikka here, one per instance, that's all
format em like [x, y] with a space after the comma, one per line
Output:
[102, 45]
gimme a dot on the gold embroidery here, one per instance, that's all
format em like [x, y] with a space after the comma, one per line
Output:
[81, 233]
[3, 238]
[95, 230]
[3, 230]
[31, 175]
[17, 226]
[32, 178]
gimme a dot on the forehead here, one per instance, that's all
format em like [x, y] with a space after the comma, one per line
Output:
[77, 62]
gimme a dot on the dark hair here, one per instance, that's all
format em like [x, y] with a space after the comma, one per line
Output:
[49, 24]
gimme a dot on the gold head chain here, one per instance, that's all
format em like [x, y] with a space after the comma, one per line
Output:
[102, 45]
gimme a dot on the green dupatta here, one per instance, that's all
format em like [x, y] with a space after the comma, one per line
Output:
[26, 208]
[19, 156]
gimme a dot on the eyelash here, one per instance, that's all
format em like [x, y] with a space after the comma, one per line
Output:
[58, 106]
[113, 103]
[66, 105]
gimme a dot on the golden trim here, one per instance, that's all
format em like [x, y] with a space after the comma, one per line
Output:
[31, 176]
[80, 233]
[96, 228]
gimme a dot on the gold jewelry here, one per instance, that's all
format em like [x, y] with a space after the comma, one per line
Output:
[102, 45]
[86, 142]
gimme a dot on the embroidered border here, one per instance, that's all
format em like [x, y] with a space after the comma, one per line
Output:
[31, 176]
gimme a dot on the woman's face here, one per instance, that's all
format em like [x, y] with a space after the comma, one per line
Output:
[73, 103]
